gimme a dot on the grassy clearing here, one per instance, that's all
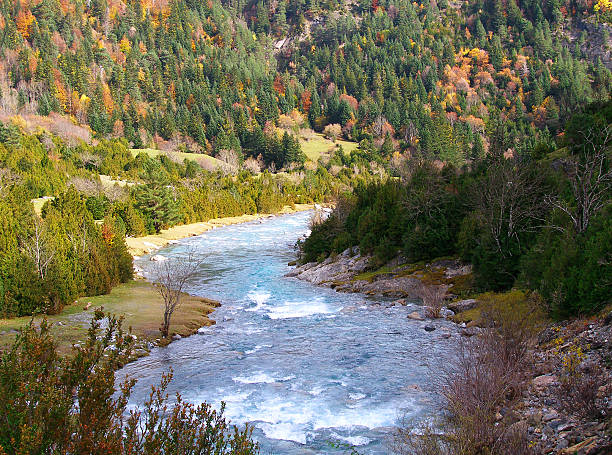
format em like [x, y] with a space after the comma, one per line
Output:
[39, 202]
[205, 161]
[316, 145]
[137, 301]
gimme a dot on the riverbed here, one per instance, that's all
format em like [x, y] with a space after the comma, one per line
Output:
[313, 370]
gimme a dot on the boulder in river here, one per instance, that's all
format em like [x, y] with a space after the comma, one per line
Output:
[158, 258]
[429, 328]
[415, 315]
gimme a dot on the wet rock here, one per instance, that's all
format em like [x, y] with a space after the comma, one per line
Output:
[429, 328]
[158, 258]
[176, 336]
[416, 316]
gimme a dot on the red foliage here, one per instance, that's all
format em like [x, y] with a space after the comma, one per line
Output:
[306, 101]
[107, 233]
[351, 100]
[279, 87]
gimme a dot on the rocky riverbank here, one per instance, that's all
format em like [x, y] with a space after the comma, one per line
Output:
[566, 403]
[440, 283]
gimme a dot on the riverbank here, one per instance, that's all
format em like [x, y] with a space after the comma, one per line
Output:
[564, 404]
[138, 246]
[136, 301]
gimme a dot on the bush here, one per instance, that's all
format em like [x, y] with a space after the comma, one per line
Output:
[488, 373]
[54, 404]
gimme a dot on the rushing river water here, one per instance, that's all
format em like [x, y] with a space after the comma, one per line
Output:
[315, 371]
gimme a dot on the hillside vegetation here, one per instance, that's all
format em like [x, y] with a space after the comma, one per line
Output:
[447, 80]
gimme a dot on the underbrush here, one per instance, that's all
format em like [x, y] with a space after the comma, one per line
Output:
[487, 375]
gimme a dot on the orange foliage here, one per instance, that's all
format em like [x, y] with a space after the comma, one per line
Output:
[351, 100]
[190, 101]
[172, 91]
[475, 123]
[107, 233]
[279, 87]
[306, 101]
[24, 21]
[107, 99]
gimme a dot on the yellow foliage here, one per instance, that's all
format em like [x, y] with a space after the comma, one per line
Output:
[603, 5]
[124, 45]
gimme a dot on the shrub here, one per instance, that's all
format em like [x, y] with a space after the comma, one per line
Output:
[487, 374]
[54, 404]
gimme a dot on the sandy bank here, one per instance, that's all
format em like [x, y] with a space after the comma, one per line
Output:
[137, 246]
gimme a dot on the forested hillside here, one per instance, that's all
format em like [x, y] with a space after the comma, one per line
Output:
[451, 80]
[455, 83]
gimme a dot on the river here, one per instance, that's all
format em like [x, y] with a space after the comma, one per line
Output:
[315, 371]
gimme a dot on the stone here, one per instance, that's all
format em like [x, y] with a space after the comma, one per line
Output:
[176, 336]
[446, 312]
[469, 331]
[584, 446]
[415, 315]
[429, 328]
[445, 334]
[608, 318]
[158, 258]
[550, 415]
[544, 380]
[562, 444]
[462, 305]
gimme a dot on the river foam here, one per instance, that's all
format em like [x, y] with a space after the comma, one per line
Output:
[312, 370]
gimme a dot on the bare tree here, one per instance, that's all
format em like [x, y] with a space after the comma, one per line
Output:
[37, 248]
[509, 202]
[590, 177]
[171, 276]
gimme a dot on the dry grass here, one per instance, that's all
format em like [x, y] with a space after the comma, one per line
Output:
[205, 161]
[433, 299]
[315, 145]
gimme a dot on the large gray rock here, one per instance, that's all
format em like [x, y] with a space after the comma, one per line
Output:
[333, 269]
[462, 305]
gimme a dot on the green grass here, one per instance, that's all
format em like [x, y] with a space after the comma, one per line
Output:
[370, 276]
[137, 301]
[318, 145]
[39, 202]
[205, 161]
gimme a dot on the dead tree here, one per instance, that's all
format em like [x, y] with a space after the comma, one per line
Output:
[37, 248]
[590, 177]
[509, 202]
[171, 276]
